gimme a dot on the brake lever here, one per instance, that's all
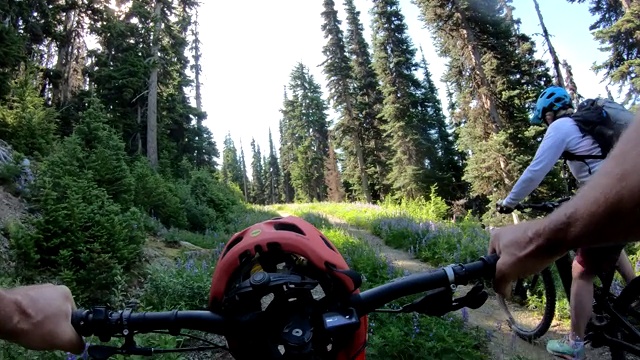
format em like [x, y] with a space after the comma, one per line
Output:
[439, 302]
[475, 298]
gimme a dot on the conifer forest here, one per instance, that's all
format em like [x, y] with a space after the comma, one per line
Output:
[112, 182]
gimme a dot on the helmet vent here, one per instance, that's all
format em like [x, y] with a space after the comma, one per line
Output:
[232, 243]
[326, 242]
[283, 226]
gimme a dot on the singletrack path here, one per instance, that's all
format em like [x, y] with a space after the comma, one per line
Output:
[505, 345]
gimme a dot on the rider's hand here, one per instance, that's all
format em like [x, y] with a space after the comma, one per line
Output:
[502, 209]
[42, 318]
[523, 251]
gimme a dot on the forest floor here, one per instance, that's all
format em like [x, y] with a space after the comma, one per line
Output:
[505, 344]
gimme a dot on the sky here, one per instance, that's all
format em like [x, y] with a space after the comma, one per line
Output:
[249, 48]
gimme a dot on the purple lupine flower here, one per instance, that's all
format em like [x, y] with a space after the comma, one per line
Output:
[465, 315]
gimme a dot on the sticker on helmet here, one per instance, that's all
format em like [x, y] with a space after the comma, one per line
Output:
[255, 232]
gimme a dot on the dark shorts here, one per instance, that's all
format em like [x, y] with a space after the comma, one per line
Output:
[600, 258]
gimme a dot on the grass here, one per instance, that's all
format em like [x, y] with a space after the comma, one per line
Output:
[409, 227]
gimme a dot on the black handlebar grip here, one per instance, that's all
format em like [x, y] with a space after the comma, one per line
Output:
[492, 259]
[79, 321]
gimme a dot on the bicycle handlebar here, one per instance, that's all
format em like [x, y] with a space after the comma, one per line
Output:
[105, 323]
[547, 206]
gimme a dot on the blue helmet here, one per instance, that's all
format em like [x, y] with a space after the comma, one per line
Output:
[552, 98]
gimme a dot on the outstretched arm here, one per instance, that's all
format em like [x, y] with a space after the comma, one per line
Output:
[604, 211]
[551, 148]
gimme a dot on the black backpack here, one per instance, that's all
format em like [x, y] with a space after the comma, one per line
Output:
[602, 119]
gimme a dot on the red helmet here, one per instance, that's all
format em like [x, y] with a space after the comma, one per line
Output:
[276, 278]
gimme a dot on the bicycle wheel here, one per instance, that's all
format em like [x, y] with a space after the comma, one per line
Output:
[627, 304]
[526, 299]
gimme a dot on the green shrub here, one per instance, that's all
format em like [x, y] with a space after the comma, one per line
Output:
[157, 196]
[79, 234]
[25, 120]
[183, 285]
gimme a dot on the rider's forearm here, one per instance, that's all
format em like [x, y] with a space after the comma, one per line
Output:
[10, 311]
[607, 209]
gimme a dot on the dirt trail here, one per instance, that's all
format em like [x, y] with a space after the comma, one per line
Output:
[505, 345]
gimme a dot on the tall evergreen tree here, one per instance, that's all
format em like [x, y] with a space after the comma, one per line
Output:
[496, 79]
[287, 154]
[245, 177]
[395, 65]
[367, 107]
[257, 183]
[304, 138]
[617, 29]
[445, 160]
[231, 170]
[340, 84]
[274, 178]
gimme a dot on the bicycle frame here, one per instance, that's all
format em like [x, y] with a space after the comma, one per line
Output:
[608, 323]
[608, 320]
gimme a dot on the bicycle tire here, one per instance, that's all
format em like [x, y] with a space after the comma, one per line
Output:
[630, 294]
[549, 311]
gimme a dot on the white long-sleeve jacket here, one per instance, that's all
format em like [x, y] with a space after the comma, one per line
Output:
[562, 135]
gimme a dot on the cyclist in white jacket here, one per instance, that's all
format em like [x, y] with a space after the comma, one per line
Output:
[563, 135]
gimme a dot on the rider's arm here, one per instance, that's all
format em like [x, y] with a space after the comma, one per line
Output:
[39, 317]
[607, 208]
[550, 150]
[9, 313]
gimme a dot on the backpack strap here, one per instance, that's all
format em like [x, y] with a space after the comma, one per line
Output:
[567, 156]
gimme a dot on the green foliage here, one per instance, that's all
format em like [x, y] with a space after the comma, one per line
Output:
[80, 234]
[103, 154]
[211, 203]
[368, 104]
[25, 122]
[157, 196]
[411, 226]
[183, 285]
[616, 29]
[304, 138]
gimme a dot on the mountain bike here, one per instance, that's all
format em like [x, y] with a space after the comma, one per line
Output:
[302, 328]
[616, 318]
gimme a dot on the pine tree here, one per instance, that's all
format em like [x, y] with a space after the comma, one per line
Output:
[304, 137]
[340, 84]
[617, 30]
[274, 178]
[493, 72]
[445, 160]
[395, 65]
[257, 183]
[287, 156]
[245, 177]
[231, 170]
[368, 104]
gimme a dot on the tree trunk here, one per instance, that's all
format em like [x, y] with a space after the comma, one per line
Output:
[626, 4]
[196, 61]
[364, 177]
[65, 48]
[484, 92]
[152, 108]
[572, 88]
[138, 135]
[554, 57]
